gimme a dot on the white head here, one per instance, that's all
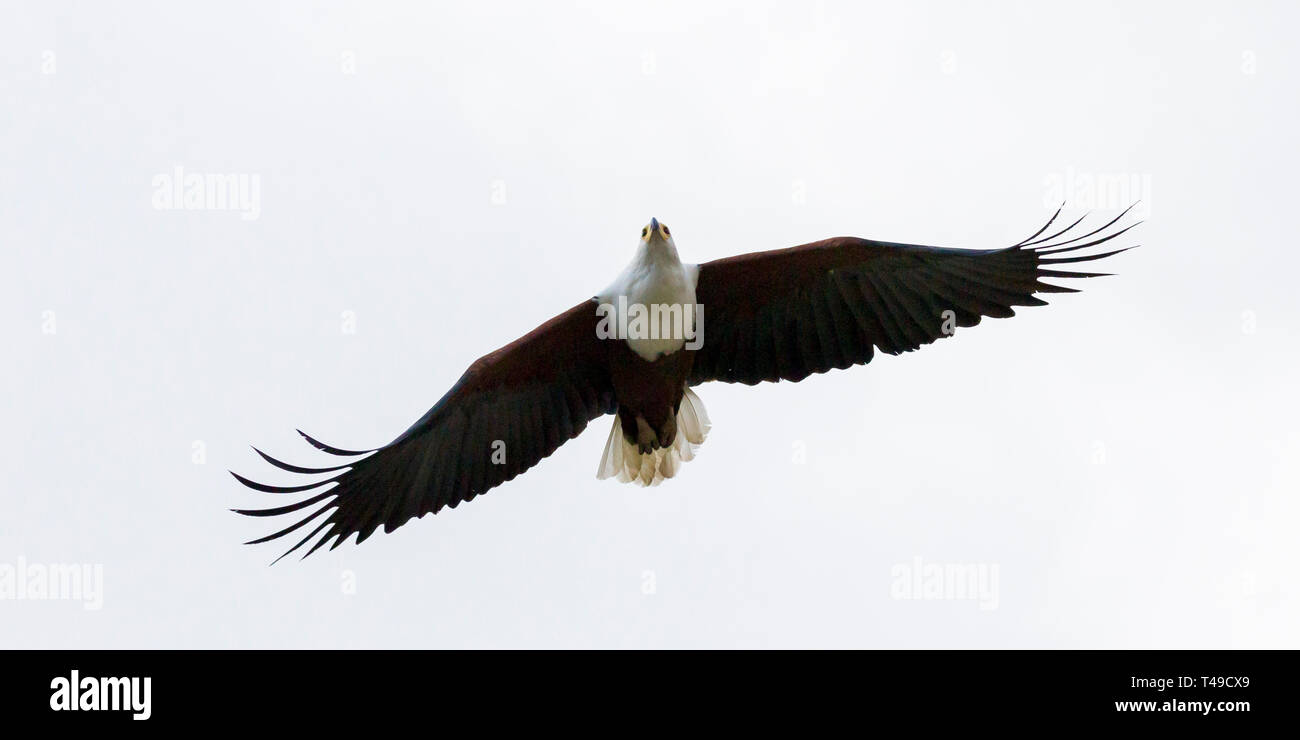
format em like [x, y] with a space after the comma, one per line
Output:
[655, 233]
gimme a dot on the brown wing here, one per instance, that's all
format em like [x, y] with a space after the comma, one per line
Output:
[788, 313]
[522, 401]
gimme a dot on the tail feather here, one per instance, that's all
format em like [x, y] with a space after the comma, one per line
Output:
[624, 461]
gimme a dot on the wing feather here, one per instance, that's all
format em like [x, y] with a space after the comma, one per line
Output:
[532, 395]
[789, 313]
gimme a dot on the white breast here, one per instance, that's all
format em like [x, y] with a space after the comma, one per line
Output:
[661, 289]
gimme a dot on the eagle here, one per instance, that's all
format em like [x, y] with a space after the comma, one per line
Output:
[638, 348]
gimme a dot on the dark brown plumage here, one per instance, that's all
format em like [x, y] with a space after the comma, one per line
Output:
[789, 313]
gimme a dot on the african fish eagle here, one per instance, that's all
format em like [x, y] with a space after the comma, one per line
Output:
[662, 327]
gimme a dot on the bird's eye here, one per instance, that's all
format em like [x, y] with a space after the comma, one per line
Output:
[644, 231]
[667, 232]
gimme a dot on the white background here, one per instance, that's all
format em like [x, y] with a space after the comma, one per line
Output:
[1126, 458]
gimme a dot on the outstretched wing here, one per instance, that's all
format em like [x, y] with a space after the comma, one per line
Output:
[509, 410]
[788, 313]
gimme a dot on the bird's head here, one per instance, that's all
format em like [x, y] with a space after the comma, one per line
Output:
[655, 232]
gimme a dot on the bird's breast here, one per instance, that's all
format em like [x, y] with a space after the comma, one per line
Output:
[654, 312]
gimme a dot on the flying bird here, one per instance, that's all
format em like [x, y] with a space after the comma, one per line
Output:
[659, 329]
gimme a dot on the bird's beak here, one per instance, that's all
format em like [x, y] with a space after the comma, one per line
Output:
[654, 225]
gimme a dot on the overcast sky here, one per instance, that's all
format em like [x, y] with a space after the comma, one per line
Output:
[1118, 469]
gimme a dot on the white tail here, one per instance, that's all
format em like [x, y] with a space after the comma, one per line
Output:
[622, 459]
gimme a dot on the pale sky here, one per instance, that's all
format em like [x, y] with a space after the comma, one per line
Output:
[1119, 468]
